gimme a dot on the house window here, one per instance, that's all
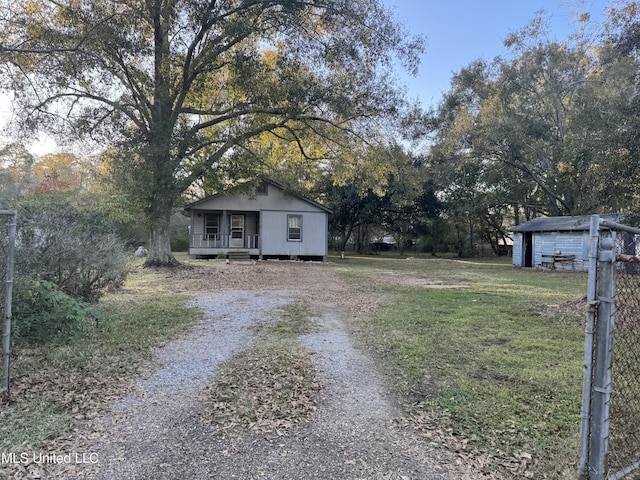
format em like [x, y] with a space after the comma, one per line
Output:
[294, 228]
[211, 224]
[262, 189]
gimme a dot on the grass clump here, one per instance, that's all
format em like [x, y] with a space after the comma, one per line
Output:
[292, 320]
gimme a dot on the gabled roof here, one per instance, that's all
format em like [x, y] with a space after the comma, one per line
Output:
[270, 182]
[560, 224]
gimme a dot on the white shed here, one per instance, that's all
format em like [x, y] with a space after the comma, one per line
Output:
[553, 242]
[267, 223]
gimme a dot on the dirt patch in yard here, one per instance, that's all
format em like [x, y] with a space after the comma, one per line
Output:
[399, 280]
[572, 310]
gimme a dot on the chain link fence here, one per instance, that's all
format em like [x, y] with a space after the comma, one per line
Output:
[611, 404]
[624, 435]
[7, 242]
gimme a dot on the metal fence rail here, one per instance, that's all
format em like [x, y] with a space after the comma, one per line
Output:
[8, 220]
[611, 404]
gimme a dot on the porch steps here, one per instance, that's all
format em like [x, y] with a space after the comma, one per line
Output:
[238, 256]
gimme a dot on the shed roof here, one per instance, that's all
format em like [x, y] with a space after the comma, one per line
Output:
[559, 224]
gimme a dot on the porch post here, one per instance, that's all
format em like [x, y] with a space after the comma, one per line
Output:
[224, 229]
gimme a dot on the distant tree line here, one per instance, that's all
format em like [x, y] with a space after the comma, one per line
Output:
[549, 128]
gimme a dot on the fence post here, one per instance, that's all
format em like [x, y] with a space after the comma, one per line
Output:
[594, 235]
[601, 396]
[6, 331]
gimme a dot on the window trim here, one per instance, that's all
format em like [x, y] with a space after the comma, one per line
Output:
[262, 189]
[209, 228]
[290, 228]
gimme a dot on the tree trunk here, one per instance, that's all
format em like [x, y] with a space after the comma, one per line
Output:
[400, 242]
[346, 237]
[362, 241]
[471, 236]
[160, 243]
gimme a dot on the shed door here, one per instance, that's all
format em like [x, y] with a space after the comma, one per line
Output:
[527, 249]
[236, 240]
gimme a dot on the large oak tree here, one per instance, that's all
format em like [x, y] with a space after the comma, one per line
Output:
[548, 130]
[177, 88]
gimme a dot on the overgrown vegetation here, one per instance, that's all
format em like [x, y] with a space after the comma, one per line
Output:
[70, 244]
[67, 256]
[42, 311]
[493, 368]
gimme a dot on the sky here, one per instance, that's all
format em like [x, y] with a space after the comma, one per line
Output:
[461, 31]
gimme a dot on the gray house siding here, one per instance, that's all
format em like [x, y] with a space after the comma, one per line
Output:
[266, 215]
[555, 244]
[274, 234]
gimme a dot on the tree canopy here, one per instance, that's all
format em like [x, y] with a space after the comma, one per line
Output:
[545, 130]
[179, 88]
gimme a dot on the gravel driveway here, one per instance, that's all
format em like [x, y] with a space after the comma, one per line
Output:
[156, 431]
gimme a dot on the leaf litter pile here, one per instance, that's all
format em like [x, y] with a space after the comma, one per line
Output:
[268, 388]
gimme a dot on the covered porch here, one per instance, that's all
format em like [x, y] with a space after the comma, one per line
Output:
[214, 233]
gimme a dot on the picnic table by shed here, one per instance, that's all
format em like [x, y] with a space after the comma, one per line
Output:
[560, 243]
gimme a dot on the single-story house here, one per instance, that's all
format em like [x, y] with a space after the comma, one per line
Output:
[554, 242]
[266, 223]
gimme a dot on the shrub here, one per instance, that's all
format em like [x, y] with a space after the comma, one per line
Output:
[41, 311]
[70, 246]
[179, 245]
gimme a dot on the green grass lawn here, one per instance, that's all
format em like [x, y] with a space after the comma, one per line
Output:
[497, 362]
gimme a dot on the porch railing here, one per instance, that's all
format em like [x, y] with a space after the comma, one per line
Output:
[252, 241]
[222, 241]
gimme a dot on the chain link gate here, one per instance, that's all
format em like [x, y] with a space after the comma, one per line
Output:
[8, 219]
[610, 440]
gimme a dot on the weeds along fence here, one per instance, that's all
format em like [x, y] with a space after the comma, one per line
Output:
[8, 219]
[610, 443]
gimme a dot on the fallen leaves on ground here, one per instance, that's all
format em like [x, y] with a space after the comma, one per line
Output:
[267, 388]
[498, 466]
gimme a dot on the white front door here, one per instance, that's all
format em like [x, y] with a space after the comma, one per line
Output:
[236, 240]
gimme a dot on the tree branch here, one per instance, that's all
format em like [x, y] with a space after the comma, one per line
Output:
[228, 145]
